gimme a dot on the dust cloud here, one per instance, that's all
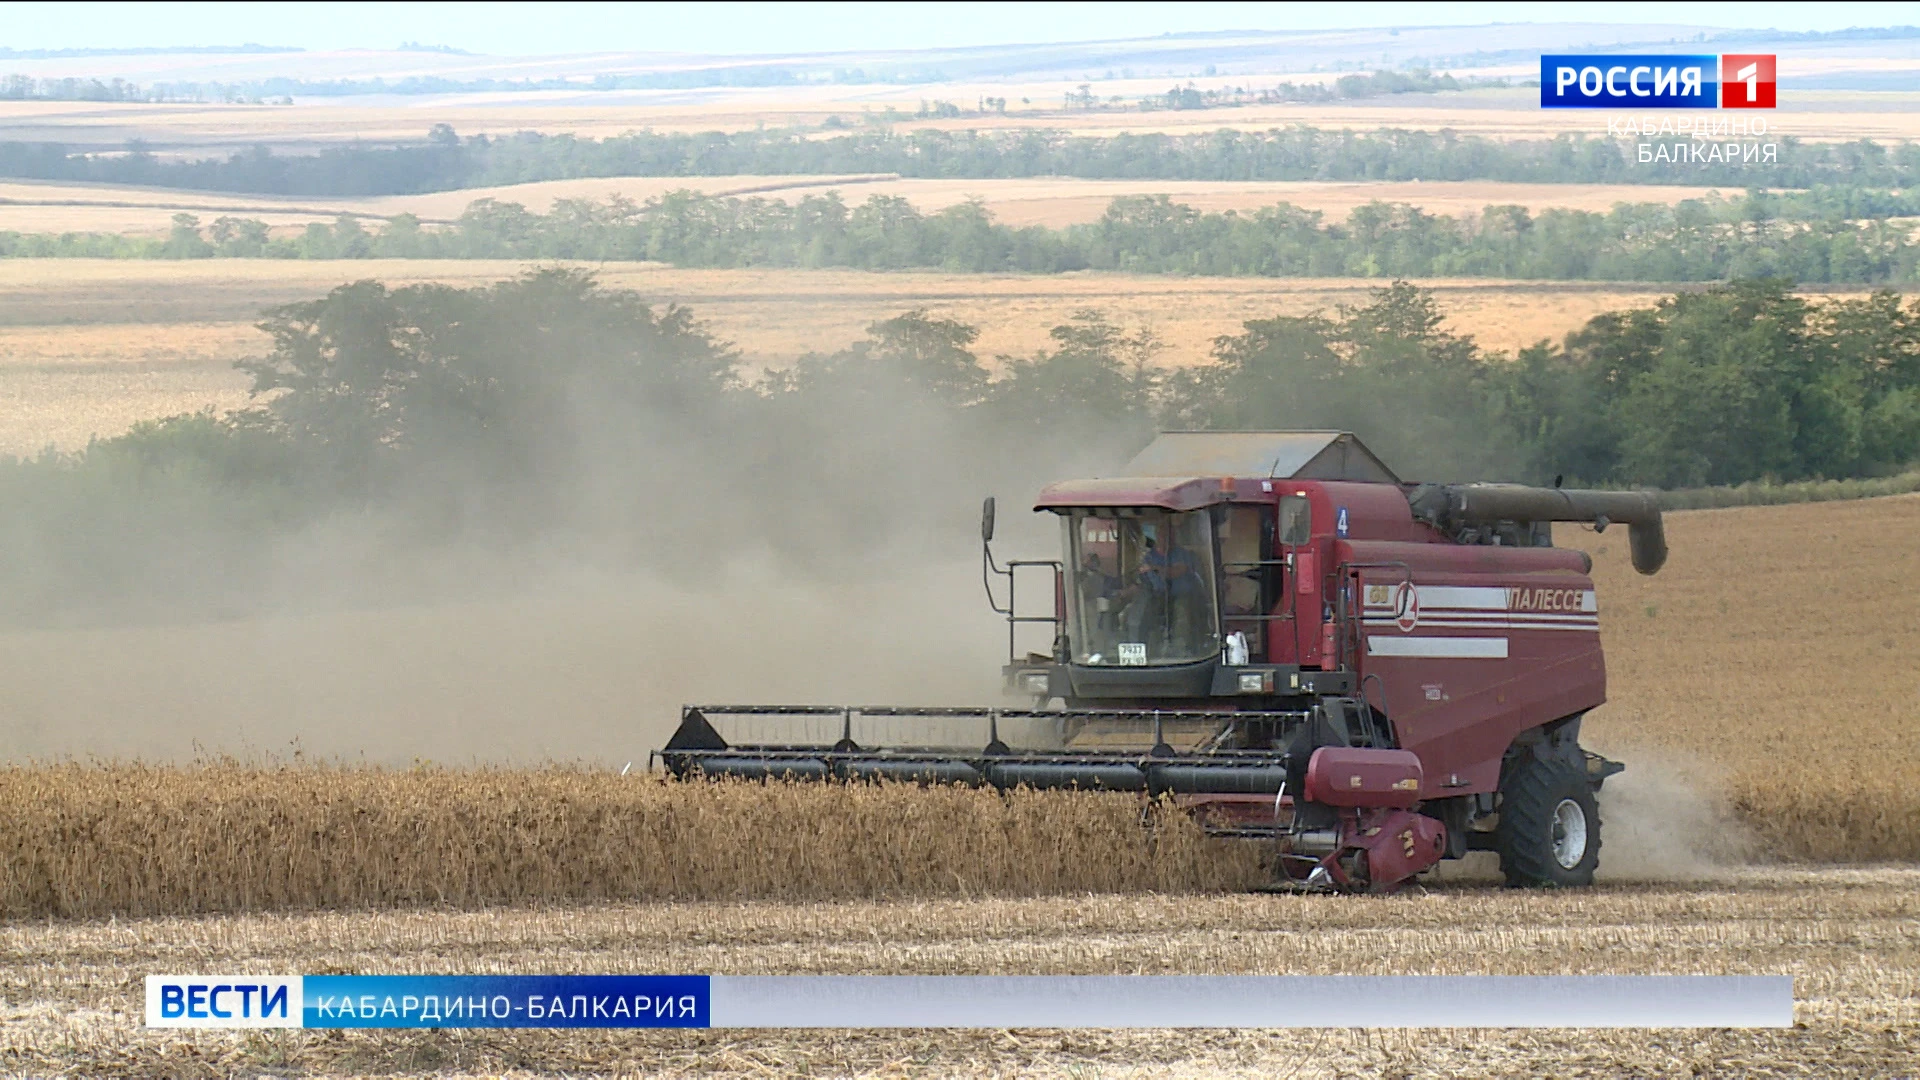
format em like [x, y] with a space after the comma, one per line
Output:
[812, 550]
[1657, 826]
[1662, 825]
[590, 668]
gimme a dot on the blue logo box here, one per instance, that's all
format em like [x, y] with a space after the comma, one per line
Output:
[471, 1001]
[1629, 82]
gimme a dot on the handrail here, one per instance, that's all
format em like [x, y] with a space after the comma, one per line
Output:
[989, 567]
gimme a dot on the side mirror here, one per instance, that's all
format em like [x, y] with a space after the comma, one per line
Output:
[1296, 520]
[986, 521]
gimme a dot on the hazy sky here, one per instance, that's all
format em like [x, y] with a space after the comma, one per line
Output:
[534, 29]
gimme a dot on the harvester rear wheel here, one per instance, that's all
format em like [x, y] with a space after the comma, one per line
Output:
[1549, 831]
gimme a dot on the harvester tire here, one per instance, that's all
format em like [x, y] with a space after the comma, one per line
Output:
[1549, 831]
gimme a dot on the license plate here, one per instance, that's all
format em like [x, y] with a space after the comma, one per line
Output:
[1133, 653]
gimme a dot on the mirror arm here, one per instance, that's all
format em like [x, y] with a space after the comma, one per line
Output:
[988, 568]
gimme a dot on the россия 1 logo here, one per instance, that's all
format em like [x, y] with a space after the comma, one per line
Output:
[1746, 81]
[1730, 81]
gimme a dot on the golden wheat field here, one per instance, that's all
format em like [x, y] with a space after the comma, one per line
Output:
[89, 347]
[1734, 749]
[1773, 661]
[81, 842]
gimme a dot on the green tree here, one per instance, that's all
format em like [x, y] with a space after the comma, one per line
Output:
[1096, 376]
[234, 237]
[184, 240]
[1732, 394]
[372, 382]
[336, 378]
[933, 355]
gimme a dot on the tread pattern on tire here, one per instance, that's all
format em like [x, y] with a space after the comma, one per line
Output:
[1530, 792]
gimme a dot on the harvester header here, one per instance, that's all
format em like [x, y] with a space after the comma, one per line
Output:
[1277, 632]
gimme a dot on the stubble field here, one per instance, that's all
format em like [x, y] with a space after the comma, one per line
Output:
[1847, 937]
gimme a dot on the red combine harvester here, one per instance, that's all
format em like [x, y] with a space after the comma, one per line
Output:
[1277, 633]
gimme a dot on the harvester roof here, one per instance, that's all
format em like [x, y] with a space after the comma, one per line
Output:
[1281, 455]
[1165, 493]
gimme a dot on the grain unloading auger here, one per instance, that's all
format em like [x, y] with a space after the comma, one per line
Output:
[1276, 633]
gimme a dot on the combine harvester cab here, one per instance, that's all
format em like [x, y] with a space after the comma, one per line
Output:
[1275, 632]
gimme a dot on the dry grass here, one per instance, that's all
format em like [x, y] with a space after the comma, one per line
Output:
[1847, 936]
[77, 841]
[91, 346]
[1769, 493]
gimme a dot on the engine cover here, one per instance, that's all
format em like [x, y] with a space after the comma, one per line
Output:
[1355, 776]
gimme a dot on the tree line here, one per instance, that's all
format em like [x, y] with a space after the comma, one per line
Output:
[554, 412]
[28, 88]
[1807, 236]
[279, 89]
[1378, 83]
[445, 161]
[1738, 382]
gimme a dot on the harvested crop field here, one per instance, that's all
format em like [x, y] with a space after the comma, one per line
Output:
[1849, 938]
[90, 346]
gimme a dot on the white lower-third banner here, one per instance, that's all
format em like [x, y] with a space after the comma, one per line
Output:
[971, 1001]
